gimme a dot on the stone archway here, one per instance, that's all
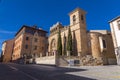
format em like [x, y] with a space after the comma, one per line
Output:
[53, 45]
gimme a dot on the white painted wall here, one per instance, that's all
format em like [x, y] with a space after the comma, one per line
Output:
[117, 32]
[51, 60]
[116, 37]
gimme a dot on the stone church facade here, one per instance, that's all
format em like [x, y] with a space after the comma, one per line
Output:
[78, 30]
[96, 44]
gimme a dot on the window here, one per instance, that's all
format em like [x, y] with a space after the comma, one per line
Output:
[34, 54]
[82, 18]
[26, 46]
[42, 48]
[118, 24]
[35, 39]
[38, 55]
[74, 19]
[104, 43]
[35, 48]
[27, 38]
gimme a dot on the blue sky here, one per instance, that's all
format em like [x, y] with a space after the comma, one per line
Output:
[45, 13]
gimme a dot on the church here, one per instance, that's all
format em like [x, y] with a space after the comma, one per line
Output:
[93, 44]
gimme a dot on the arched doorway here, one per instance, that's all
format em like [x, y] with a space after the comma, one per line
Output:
[53, 45]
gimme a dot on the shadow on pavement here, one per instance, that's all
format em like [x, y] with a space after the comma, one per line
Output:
[40, 72]
[46, 72]
[62, 74]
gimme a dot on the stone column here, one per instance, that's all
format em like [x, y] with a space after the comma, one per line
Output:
[95, 45]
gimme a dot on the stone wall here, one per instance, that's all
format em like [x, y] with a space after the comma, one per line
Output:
[51, 60]
[94, 44]
[89, 60]
[8, 51]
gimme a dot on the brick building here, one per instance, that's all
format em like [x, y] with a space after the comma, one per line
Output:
[29, 42]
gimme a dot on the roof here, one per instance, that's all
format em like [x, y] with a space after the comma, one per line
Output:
[114, 19]
[77, 9]
[100, 31]
[24, 26]
[7, 41]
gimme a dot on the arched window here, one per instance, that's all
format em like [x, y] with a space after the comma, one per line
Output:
[74, 18]
[53, 45]
[82, 17]
[104, 43]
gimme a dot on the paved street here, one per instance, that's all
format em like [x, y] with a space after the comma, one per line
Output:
[37, 72]
[110, 72]
[41, 72]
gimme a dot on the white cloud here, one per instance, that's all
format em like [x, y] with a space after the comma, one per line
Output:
[7, 32]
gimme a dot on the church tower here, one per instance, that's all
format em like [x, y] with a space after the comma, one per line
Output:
[79, 32]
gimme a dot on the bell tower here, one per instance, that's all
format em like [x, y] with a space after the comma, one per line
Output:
[77, 16]
[78, 27]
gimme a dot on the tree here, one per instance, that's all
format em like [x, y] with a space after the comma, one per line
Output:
[69, 41]
[59, 44]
